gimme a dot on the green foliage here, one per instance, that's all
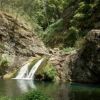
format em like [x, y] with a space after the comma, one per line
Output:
[71, 36]
[80, 21]
[31, 95]
[49, 72]
[22, 9]
[55, 9]
[53, 33]
[79, 43]
[78, 16]
[83, 15]
[55, 27]
[73, 29]
[48, 15]
[68, 49]
[46, 72]
[5, 98]
[35, 95]
[74, 32]
[56, 34]
[3, 66]
[2, 46]
[84, 7]
[42, 12]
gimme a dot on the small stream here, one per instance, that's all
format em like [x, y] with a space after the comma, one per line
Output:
[68, 91]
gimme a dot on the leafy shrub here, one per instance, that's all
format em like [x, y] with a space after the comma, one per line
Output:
[68, 49]
[74, 33]
[73, 29]
[35, 95]
[79, 16]
[31, 95]
[5, 98]
[46, 72]
[53, 33]
[55, 27]
[3, 66]
[49, 72]
[84, 7]
[79, 43]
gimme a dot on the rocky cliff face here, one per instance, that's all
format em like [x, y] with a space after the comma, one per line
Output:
[85, 66]
[61, 60]
[17, 41]
[80, 65]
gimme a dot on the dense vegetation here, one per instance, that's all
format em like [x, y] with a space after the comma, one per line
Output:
[77, 20]
[32, 95]
[42, 12]
[39, 13]
[65, 22]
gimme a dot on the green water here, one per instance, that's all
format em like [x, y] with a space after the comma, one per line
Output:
[14, 88]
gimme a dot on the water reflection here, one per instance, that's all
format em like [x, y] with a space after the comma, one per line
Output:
[70, 91]
[15, 88]
[66, 91]
[25, 85]
[62, 92]
[84, 92]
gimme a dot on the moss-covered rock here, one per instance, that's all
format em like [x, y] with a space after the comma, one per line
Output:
[46, 71]
[10, 75]
[3, 66]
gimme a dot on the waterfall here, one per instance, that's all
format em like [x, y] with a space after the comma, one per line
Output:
[34, 69]
[25, 74]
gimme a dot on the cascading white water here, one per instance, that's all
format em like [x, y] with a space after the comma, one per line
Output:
[23, 73]
[34, 69]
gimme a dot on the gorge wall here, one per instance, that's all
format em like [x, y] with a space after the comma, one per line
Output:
[85, 66]
[18, 43]
[82, 65]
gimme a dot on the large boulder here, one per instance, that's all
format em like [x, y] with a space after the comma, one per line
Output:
[85, 66]
[60, 60]
[17, 42]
